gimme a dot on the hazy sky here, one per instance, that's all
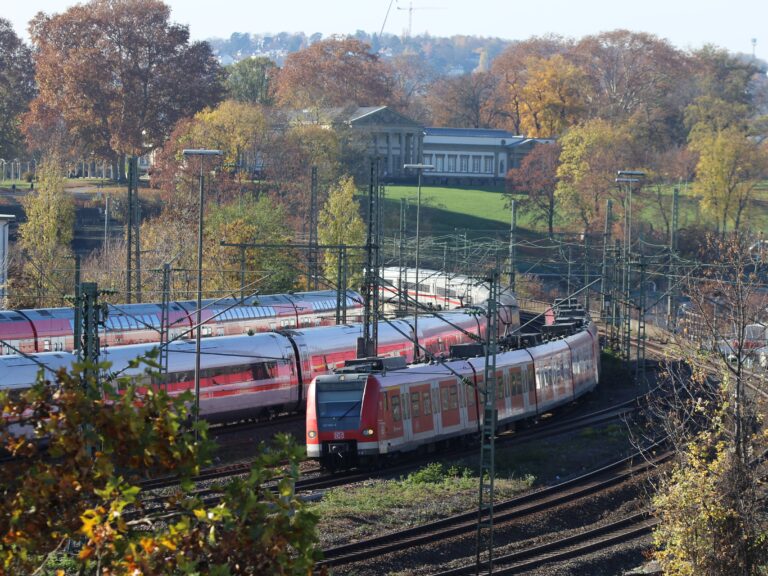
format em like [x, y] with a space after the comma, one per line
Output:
[731, 24]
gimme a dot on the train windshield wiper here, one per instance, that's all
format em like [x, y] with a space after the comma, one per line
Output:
[355, 405]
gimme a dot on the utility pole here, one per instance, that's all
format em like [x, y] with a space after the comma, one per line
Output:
[512, 229]
[312, 253]
[133, 227]
[605, 283]
[671, 315]
[488, 434]
[341, 287]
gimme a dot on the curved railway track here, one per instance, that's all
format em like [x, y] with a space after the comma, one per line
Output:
[599, 538]
[466, 523]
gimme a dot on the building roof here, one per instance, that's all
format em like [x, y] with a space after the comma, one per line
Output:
[470, 133]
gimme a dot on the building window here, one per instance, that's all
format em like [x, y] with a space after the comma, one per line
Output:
[428, 159]
[397, 164]
[452, 163]
[439, 160]
[476, 164]
[464, 163]
[501, 167]
[488, 164]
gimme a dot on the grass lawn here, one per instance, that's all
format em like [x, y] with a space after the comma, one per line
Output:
[482, 213]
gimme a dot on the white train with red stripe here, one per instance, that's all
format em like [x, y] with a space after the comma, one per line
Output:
[355, 418]
[267, 372]
[436, 289]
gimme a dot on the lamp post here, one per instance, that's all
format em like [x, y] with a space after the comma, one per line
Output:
[202, 153]
[420, 168]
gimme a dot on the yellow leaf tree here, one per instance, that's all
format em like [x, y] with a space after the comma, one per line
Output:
[340, 223]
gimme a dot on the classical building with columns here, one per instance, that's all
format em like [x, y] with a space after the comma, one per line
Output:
[460, 156]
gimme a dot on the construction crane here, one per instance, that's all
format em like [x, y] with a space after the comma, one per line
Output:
[411, 8]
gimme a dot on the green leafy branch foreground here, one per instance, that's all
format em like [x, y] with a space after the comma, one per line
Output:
[76, 455]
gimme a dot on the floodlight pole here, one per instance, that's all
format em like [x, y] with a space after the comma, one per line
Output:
[198, 315]
[420, 168]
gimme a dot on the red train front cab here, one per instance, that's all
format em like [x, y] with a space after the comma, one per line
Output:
[342, 415]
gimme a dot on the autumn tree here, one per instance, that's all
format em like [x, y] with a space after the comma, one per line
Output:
[76, 479]
[537, 178]
[333, 72]
[730, 166]
[411, 78]
[252, 80]
[340, 223]
[142, 76]
[464, 101]
[45, 240]
[710, 503]
[628, 71]
[510, 69]
[17, 88]
[591, 155]
[553, 97]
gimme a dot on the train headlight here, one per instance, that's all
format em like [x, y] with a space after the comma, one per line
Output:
[312, 434]
[368, 432]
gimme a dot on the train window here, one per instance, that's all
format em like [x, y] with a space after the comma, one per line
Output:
[396, 407]
[453, 393]
[444, 396]
[415, 404]
[499, 390]
[470, 396]
[262, 370]
[427, 403]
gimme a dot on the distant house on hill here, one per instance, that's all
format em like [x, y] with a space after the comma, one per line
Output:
[472, 156]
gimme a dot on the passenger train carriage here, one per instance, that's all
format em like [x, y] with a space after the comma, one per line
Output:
[51, 329]
[354, 418]
[437, 289]
[243, 376]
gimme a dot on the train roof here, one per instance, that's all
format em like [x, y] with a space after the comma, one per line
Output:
[315, 300]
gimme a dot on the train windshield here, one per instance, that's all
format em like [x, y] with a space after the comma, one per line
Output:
[339, 404]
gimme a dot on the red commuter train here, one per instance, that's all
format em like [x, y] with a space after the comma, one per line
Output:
[357, 418]
[249, 375]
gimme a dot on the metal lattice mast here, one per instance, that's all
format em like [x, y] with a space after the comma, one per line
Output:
[133, 227]
[615, 299]
[640, 364]
[377, 258]
[312, 252]
[91, 315]
[605, 282]
[671, 316]
[586, 271]
[366, 346]
[164, 320]
[488, 436]
[401, 259]
[512, 230]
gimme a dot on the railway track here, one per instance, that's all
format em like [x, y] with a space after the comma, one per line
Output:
[519, 507]
[542, 429]
[599, 538]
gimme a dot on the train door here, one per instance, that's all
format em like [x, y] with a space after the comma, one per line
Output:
[405, 406]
